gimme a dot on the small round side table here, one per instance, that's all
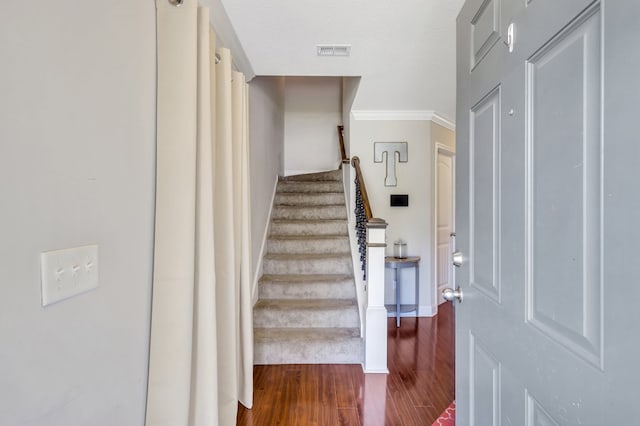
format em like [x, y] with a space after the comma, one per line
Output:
[397, 264]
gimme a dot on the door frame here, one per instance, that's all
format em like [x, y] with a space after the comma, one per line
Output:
[438, 149]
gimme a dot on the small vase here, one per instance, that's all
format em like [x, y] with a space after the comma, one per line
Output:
[400, 249]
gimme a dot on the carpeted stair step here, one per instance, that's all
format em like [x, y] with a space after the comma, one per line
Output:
[274, 263]
[309, 198]
[309, 227]
[314, 313]
[316, 286]
[320, 176]
[307, 346]
[310, 186]
[307, 310]
[310, 212]
[310, 244]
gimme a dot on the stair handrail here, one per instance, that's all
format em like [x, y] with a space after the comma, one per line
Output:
[355, 162]
[343, 152]
[363, 214]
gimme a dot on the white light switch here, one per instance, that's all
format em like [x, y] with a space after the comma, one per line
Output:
[65, 273]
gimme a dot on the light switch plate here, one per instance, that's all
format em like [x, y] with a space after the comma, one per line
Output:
[68, 272]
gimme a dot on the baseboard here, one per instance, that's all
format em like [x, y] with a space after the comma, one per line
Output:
[385, 371]
[423, 311]
[427, 310]
[258, 272]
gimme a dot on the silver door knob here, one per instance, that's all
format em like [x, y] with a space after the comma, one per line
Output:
[457, 258]
[450, 294]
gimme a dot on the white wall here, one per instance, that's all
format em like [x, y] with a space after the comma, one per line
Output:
[350, 87]
[349, 91]
[443, 135]
[412, 223]
[266, 140]
[313, 109]
[77, 143]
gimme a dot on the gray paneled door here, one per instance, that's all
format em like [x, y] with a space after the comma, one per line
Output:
[548, 213]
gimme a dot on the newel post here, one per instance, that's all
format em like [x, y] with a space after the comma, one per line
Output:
[375, 339]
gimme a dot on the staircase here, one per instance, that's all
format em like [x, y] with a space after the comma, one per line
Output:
[307, 311]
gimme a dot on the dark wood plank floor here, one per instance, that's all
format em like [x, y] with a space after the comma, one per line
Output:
[419, 386]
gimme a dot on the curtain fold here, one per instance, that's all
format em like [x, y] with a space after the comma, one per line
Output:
[245, 323]
[225, 224]
[201, 350]
[172, 303]
[204, 371]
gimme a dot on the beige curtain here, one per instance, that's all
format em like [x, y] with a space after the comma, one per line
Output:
[201, 353]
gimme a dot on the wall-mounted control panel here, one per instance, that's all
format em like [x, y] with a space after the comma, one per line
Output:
[65, 273]
[399, 200]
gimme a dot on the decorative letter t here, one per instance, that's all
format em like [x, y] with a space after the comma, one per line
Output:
[391, 149]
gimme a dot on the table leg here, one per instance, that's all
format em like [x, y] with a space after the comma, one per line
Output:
[397, 297]
[417, 288]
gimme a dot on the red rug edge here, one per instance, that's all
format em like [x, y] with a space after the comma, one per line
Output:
[448, 416]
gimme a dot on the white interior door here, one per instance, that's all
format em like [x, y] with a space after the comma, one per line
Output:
[444, 219]
[547, 209]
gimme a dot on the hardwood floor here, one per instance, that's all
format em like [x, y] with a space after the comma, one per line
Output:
[419, 386]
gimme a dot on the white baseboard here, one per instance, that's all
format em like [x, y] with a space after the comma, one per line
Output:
[258, 272]
[427, 310]
[423, 311]
[385, 371]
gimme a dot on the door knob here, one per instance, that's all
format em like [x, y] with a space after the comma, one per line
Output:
[457, 258]
[450, 294]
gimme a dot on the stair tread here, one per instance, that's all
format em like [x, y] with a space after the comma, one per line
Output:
[308, 206]
[281, 237]
[315, 190]
[326, 175]
[307, 304]
[318, 194]
[308, 220]
[306, 256]
[310, 181]
[308, 226]
[303, 178]
[312, 286]
[306, 333]
[304, 278]
[295, 237]
[327, 186]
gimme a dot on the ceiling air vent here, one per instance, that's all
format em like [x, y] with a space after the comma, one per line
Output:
[333, 49]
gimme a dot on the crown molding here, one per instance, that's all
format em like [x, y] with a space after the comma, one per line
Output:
[397, 115]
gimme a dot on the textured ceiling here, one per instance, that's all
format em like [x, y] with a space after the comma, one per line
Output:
[403, 50]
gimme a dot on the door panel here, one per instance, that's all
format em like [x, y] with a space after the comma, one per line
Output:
[536, 415]
[485, 30]
[484, 146]
[564, 157]
[485, 385]
[546, 213]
